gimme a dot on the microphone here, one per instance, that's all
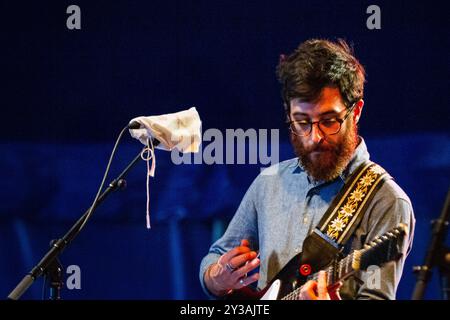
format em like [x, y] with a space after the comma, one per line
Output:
[180, 130]
[134, 125]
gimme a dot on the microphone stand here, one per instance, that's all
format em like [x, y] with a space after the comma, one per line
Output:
[54, 276]
[49, 264]
[437, 255]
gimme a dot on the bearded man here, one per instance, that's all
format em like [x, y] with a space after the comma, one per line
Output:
[322, 89]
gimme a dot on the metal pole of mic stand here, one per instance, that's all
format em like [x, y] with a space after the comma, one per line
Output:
[436, 254]
[59, 245]
[54, 277]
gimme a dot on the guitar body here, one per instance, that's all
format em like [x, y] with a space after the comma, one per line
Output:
[307, 264]
[293, 275]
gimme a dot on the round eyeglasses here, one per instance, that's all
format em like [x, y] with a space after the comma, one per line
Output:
[327, 126]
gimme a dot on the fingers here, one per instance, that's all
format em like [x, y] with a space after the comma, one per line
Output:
[238, 256]
[334, 291]
[334, 295]
[308, 291]
[242, 272]
[230, 271]
[243, 282]
[234, 252]
[336, 286]
[245, 243]
[322, 286]
[313, 290]
[240, 260]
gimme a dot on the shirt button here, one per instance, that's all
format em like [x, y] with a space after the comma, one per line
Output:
[305, 220]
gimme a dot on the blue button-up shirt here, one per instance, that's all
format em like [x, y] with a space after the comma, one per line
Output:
[283, 205]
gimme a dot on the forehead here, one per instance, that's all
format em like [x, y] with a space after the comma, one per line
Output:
[330, 100]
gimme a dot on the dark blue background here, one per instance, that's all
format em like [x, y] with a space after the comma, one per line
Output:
[65, 95]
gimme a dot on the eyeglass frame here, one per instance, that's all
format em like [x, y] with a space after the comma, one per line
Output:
[311, 124]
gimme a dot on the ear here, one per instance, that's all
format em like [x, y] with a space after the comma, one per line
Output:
[358, 110]
[287, 111]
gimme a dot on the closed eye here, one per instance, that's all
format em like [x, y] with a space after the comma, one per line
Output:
[328, 120]
[328, 123]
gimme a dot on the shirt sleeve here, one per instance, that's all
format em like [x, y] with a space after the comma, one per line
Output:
[243, 225]
[388, 211]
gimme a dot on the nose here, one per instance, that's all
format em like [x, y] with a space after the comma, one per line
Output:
[316, 134]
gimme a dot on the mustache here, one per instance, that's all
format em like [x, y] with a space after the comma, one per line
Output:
[320, 148]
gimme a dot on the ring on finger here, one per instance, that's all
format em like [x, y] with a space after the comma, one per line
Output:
[230, 267]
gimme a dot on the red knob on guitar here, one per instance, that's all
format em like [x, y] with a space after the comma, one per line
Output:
[305, 269]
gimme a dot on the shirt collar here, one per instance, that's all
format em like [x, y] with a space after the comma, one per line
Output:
[360, 155]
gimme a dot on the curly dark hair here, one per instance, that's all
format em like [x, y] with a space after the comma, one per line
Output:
[319, 63]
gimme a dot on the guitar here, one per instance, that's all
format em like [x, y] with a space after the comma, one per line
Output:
[289, 281]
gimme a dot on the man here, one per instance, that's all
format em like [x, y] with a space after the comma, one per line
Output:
[322, 87]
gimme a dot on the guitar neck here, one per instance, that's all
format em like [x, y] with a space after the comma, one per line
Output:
[382, 249]
[342, 269]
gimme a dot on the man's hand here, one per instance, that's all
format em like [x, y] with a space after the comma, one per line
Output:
[230, 272]
[313, 290]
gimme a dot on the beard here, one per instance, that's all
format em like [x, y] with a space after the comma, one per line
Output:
[325, 162]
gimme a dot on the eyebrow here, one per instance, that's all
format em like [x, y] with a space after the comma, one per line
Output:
[320, 114]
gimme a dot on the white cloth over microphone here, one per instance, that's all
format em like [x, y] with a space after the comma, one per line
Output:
[180, 130]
